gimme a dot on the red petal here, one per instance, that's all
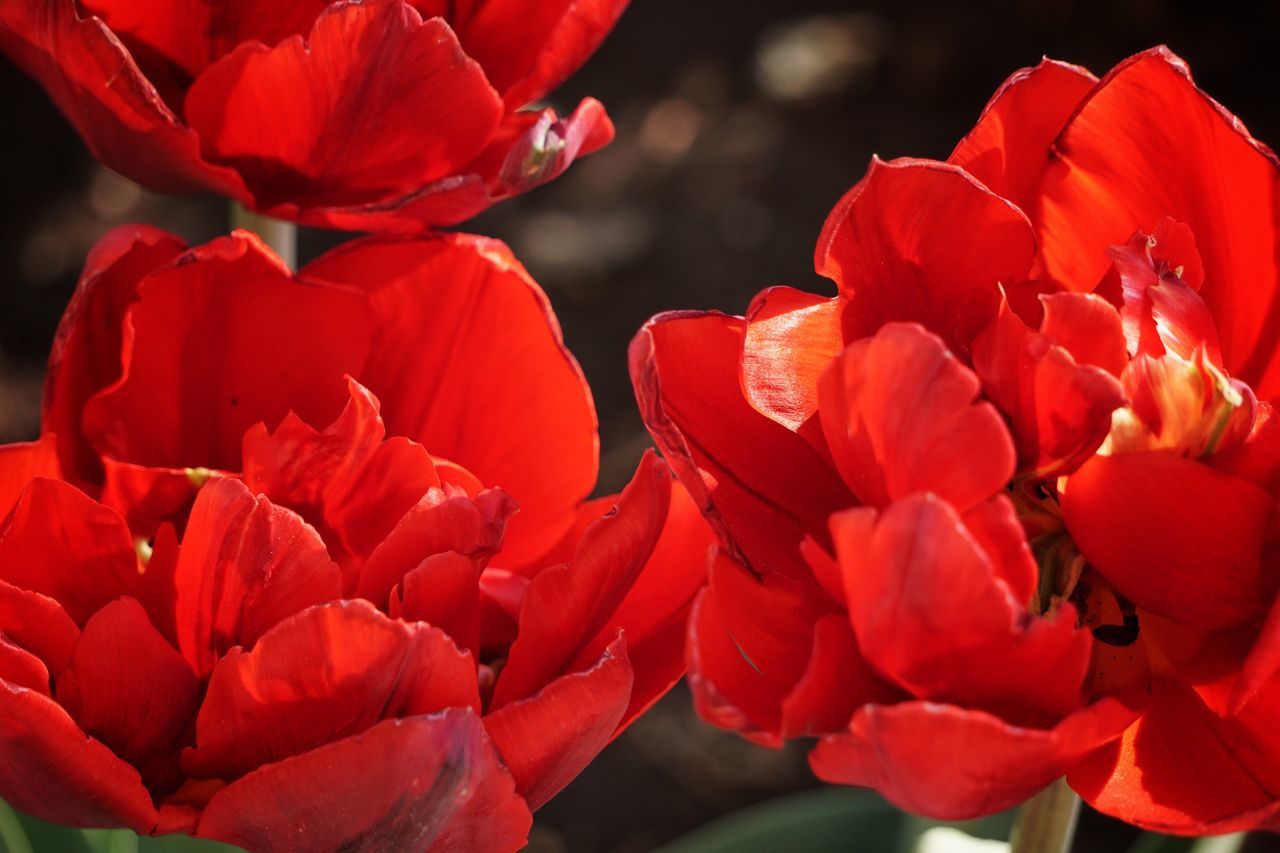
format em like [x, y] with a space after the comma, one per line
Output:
[95, 82]
[245, 565]
[949, 763]
[208, 339]
[443, 591]
[39, 625]
[1155, 776]
[130, 689]
[549, 738]
[931, 613]
[1151, 523]
[1088, 327]
[836, 682]
[727, 691]
[1009, 148]
[1060, 409]
[427, 782]
[60, 543]
[189, 35]
[148, 497]
[346, 479]
[442, 521]
[467, 345]
[1112, 174]
[51, 770]
[892, 245]
[792, 337]
[762, 487]
[655, 610]
[379, 103]
[901, 415]
[538, 147]
[566, 607]
[529, 48]
[21, 669]
[87, 349]
[275, 702]
[21, 463]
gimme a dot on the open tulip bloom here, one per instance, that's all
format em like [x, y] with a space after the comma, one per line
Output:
[369, 115]
[1004, 508]
[241, 598]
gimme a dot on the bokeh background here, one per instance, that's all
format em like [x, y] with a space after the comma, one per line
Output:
[740, 123]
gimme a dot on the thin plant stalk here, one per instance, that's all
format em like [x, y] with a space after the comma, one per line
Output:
[1046, 823]
[281, 236]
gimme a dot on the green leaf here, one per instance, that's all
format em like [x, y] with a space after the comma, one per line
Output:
[823, 820]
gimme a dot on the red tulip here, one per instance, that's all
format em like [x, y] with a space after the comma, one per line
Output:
[1004, 508]
[362, 114]
[242, 598]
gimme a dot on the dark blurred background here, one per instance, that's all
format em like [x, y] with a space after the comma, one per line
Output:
[740, 123]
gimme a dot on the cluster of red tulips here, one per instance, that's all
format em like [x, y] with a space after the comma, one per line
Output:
[308, 560]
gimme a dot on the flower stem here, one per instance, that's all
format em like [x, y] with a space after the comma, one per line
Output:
[1046, 822]
[282, 237]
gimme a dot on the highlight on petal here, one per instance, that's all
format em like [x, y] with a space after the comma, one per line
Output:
[466, 345]
[791, 338]
[892, 246]
[901, 415]
[446, 790]
[762, 487]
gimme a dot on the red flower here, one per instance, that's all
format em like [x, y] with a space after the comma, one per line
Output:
[1004, 507]
[241, 598]
[363, 114]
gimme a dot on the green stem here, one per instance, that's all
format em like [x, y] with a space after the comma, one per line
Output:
[1232, 843]
[282, 237]
[1046, 822]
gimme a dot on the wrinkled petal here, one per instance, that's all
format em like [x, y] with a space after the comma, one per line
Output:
[836, 682]
[130, 689]
[245, 565]
[444, 520]
[1151, 523]
[39, 625]
[21, 463]
[761, 487]
[209, 342]
[1119, 166]
[931, 613]
[327, 673]
[369, 93]
[467, 346]
[901, 415]
[550, 737]
[892, 246]
[949, 763]
[427, 782]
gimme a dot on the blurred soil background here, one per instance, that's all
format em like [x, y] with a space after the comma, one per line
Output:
[740, 123]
